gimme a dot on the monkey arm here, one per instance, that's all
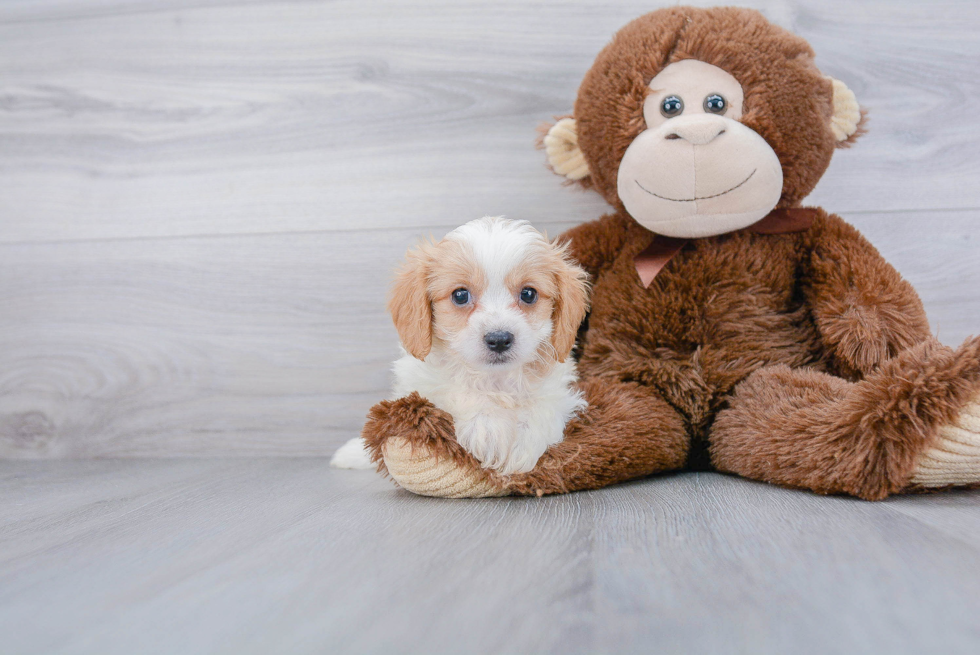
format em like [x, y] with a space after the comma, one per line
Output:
[863, 308]
[627, 431]
[414, 442]
[594, 245]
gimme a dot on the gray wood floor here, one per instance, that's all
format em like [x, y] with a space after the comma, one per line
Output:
[269, 555]
[200, 204]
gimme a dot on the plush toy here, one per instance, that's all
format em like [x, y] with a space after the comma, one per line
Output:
[731, 329]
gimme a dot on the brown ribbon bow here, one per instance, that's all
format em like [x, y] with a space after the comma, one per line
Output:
[662, 249]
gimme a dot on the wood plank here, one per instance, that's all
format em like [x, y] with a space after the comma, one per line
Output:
[262, 554]
[122, 119]
[705, 563]
[259, 555]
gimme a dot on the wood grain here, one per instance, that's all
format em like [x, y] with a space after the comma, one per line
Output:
[122, 119]
[285, 555]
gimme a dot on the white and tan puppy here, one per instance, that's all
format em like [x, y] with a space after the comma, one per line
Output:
[487, 319]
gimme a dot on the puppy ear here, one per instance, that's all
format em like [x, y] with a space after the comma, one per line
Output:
[410, 306]
[571, 304]
[848, 119]
[561, 145]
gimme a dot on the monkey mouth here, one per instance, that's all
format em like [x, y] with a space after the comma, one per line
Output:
[696, 197]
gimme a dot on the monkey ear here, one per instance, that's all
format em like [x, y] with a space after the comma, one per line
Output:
[564, 156]
[410, 306]
[571, 304]
[847, 122]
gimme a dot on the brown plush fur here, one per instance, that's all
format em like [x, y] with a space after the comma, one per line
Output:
[800, 359]
[628, 431]
[807, 429]
[420, 422]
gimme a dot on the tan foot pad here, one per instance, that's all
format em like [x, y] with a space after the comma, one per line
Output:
[955, 457]
[422, 474]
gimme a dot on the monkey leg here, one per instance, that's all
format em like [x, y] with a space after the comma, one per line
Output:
[627, 431]
[913, 423]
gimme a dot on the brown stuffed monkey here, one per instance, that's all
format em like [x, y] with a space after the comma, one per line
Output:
[731, 329]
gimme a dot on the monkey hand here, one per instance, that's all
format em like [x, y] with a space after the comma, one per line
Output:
[414, 442]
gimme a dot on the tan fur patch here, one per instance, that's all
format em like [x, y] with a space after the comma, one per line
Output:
[536, 272]
[408, 302]
[453, 267]
[562, 288]
[571, 303]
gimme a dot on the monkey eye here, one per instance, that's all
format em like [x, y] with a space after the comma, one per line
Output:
[528, 295]
[671, 106]
[715, 104]
[461, 297]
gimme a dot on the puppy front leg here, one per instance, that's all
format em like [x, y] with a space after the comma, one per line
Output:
[539, 428]
[415, 443]
[489, 435]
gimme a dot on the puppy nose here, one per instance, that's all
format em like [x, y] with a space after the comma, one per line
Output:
[698, 130]
[498, 341]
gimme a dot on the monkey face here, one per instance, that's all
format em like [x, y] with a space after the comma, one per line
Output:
[695, 170]
[697, 122]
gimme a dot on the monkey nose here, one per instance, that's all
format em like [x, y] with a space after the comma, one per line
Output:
[697, 131]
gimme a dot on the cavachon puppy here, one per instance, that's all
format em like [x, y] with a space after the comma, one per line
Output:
[487, 319]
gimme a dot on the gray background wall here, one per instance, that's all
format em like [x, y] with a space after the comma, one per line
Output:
[201, 201]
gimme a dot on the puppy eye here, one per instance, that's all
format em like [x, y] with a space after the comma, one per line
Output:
[528, 295]
[671, 106]
[461, 297]
[715, 104]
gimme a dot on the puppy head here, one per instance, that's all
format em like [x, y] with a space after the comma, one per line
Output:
[495, 292]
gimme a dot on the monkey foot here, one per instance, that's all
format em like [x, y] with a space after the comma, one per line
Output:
[420, 471]
[954, 459]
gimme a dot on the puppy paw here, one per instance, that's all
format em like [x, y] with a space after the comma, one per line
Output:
[954, 458]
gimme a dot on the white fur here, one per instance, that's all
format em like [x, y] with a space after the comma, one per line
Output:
[505, 414]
